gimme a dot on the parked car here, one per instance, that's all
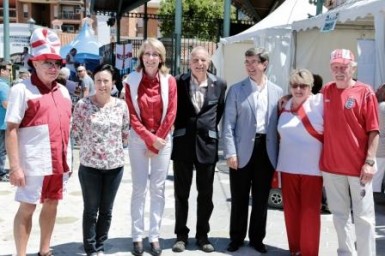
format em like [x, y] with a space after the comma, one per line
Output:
[275, 196]
[276, 199]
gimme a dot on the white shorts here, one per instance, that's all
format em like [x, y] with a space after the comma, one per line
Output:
[39, 188]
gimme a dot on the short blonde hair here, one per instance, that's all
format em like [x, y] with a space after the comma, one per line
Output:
[161, 50]
[301, 76]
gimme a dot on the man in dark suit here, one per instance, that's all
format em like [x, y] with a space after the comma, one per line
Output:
[195, 144]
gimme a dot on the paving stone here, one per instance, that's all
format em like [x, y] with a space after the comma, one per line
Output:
[67, 237]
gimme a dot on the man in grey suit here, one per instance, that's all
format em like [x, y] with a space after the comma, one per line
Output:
[251, 148]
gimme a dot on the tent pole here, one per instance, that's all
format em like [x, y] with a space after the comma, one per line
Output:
[319, 6]
[6, 47]
[226, 18]
[178, 35]
[118, 18]
[294, 57]
[145, 18]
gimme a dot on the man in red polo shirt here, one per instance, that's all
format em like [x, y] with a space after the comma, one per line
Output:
[351, 135]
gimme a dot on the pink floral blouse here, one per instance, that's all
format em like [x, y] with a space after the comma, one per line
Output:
[101, 133]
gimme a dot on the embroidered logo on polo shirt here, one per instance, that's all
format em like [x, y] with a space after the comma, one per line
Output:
[350, 103]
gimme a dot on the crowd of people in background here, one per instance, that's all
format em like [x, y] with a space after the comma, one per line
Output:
[337, 130]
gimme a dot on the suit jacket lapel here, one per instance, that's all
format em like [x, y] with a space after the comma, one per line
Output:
[186, 86]
[247, 90]
[209, 89]
[270, 99]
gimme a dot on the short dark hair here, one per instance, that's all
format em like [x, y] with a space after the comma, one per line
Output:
[318, 82]
[262, 54]
[380, 93]
[108, 68]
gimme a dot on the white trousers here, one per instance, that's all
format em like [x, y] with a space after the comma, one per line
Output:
[379, 175]
[146, 170]
[344, 192]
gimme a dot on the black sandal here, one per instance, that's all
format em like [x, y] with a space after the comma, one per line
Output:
[45, 254]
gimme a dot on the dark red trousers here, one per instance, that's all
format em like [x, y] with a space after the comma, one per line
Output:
[301, 201]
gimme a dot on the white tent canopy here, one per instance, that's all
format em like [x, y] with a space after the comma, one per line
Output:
[274, 34]
[359, 23]
[288, 12]
[360, 27]
[349, 11]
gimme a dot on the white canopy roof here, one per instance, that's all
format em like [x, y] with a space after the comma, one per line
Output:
[357, 19]
[356, 15]
[351, 10]
[288, 12]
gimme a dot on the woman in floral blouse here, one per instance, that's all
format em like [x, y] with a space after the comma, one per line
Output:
[100, 126]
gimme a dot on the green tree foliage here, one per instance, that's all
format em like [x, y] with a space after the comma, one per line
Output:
[200, 18]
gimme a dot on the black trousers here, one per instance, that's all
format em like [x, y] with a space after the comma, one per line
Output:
[183, 173]
[99, 188]
[256, 175]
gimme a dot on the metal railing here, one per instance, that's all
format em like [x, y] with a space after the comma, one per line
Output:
[69, 15]
[187, 44]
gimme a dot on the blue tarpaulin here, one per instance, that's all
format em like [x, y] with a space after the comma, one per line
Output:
[87, 47]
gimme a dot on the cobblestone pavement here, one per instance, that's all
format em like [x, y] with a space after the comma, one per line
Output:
[68, 235]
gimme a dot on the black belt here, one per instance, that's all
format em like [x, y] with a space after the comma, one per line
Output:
[260, 135]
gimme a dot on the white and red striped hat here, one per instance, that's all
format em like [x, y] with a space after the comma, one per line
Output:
[45, 45]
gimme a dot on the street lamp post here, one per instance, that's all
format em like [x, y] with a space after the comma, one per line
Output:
[31, 22]
[6, 48]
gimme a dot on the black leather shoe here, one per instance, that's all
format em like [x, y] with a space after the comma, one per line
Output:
[179, 246]
[259, 247]
[234, 246]
[155, 249]
[205, 245]
[137, 249]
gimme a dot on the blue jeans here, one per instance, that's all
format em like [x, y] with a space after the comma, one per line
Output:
[3, 153]
[99, 188]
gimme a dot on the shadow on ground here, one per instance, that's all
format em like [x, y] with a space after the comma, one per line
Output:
[124, 245]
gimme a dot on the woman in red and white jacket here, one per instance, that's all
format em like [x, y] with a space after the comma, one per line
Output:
[151, 98]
